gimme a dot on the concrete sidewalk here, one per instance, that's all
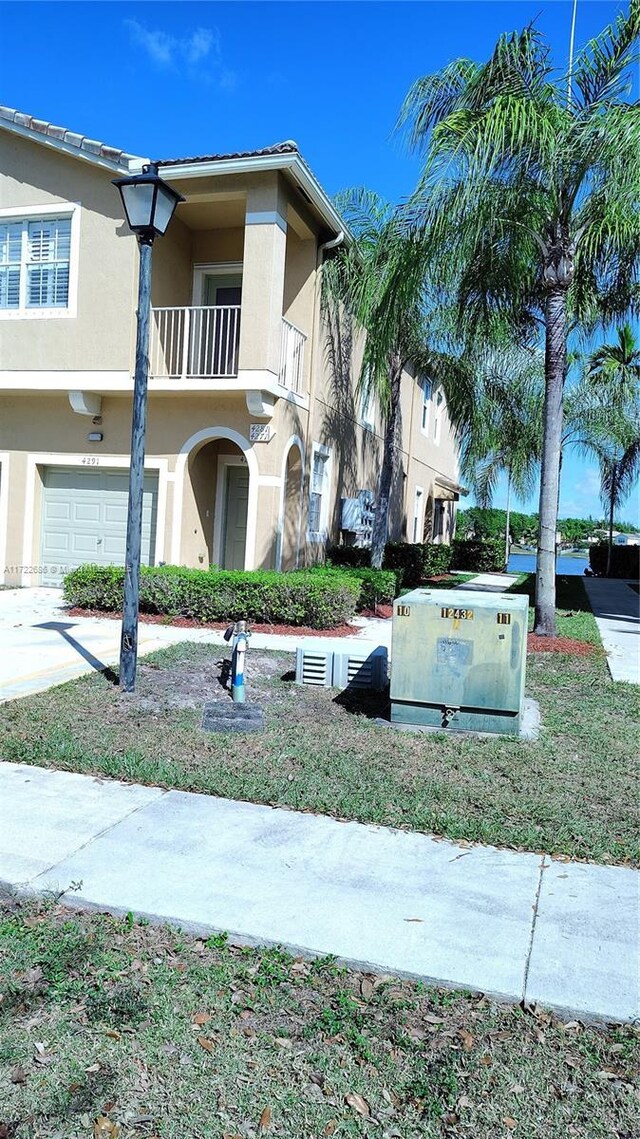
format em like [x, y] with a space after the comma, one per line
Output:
[616, 608]
[515, 925]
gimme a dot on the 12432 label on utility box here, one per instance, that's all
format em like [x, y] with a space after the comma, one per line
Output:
[457, 614]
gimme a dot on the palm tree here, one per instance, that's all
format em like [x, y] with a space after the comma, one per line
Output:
[619, 472]
[614, 373]
[378, 283]
[502, 433]
[617, 366]
[528, 205]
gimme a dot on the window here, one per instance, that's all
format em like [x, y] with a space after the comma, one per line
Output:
[438, 412]
[367, 407]
[439, 509]
[426, 400]
[36, 263]
[319, 493]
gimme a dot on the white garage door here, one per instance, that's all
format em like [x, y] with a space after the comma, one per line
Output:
[84, 519]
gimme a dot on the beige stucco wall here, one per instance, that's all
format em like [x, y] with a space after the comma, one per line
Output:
[100, 336]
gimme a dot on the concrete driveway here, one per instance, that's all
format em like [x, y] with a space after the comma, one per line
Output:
[43, 646]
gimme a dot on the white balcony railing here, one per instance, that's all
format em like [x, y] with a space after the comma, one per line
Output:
[194, 343]
[292, 357]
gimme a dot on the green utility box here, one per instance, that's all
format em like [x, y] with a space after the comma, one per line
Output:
[458, 660]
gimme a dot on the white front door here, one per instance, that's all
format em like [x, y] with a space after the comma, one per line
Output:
[236, 501]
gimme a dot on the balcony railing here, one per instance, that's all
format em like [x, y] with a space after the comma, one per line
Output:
[292, 357]
[195, 343]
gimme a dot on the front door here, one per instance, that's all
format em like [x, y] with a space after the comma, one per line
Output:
[235, 517]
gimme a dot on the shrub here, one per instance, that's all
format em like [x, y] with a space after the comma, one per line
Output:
[406, 558]
[417, 560]
[356, 556]
[480, 555]
[436, 559]
[378, 587]
[625, 560]
[303, 597]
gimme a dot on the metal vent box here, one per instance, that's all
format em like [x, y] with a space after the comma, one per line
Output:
[362, 668]
[459, 659]
[341, 668]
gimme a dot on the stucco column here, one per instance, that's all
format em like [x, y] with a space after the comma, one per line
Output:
[265, 240]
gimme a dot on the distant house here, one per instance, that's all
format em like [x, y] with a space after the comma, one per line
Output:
[626, 540]
[253, 438]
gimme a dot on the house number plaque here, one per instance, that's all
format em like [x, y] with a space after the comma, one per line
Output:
[259, 432]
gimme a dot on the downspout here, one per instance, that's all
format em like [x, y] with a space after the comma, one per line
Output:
[315, 335]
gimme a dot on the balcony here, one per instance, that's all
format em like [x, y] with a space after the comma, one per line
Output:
[202, 343]
[195, 343]
[292, 358]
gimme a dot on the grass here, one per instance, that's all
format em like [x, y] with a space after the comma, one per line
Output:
[573, 792]
[119, 1030]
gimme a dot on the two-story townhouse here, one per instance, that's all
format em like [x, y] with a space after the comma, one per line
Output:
[255, 433]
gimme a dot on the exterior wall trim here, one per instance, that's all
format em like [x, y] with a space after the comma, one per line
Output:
[5, 460]
[209, 435]
[292, 441]
[60, 459]
[266, 217]
[74, 211]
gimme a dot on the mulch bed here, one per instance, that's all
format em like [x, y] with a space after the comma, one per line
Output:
[537, 644]
[192, 623]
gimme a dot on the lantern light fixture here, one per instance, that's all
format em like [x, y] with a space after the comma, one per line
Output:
[148, 203]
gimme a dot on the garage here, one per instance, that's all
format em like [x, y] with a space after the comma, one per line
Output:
[84, 519]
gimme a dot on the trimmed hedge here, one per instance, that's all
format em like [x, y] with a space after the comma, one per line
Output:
[410, 561]
[378, 587]
[625, 560]
[358, 557]
[417, 560]
[303, 597]
[480, 555]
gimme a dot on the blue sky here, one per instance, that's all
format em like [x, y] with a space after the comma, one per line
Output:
[173, 79]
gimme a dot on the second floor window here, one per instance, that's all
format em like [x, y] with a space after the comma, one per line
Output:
[34, 263]
[426, 400]
[438, 412]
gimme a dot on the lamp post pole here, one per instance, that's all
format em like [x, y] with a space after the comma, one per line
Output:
[130, 607]
[149, 204]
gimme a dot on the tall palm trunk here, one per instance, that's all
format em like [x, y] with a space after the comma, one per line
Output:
[555, 367]
[507, 543]
[380, 527]
[612, 505]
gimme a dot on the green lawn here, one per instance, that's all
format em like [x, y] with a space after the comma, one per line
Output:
[573, 792]
[115, 1030]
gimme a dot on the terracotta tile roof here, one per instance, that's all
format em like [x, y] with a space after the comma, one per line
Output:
[89, 146]
[288, 147]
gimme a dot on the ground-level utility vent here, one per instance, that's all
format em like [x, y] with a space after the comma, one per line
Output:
[342, 669]
[366, 669]
[314, 666]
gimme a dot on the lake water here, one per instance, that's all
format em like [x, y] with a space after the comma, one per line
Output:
[526, 563]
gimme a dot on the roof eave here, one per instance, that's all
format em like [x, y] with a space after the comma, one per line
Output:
[133, 162]
[292, 163]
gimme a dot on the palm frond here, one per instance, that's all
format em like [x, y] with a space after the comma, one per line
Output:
[601, 69]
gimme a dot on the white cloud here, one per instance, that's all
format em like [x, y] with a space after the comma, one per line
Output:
[198, 54]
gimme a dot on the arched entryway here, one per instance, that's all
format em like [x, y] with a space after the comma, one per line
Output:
[215, 501]
[291, 505]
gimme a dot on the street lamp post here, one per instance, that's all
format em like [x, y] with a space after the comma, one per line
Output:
[148, 204]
